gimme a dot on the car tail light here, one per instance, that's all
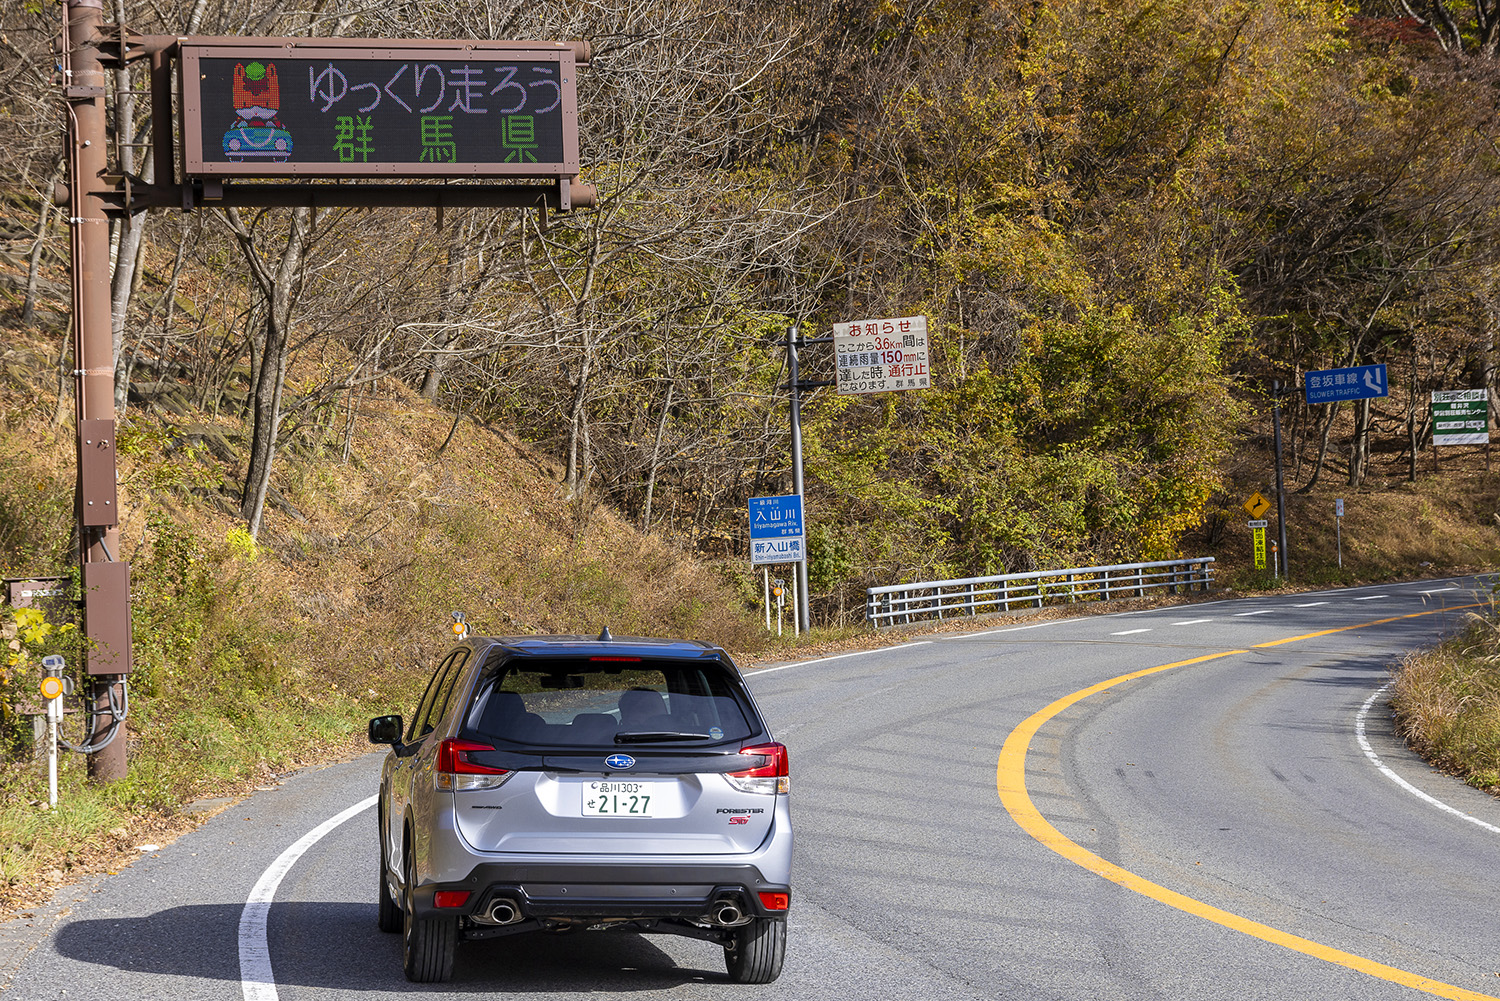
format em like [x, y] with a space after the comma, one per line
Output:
[458, 771]
[767, 774]
[457, 898]
[773, 900]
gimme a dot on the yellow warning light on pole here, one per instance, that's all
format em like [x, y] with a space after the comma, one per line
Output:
[460, 627]
[52, 688]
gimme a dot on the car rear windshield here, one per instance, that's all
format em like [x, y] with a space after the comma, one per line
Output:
[604, 703]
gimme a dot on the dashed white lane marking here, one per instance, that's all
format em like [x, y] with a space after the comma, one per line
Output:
[1439, 590]
[1371, 597]
[1263, 611]
[1364, 745]
[1192, 622]
[1130, 632]
[1311, 604]
[837, 656]
[256, 979]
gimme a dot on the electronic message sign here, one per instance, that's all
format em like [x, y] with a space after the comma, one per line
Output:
[369, 108]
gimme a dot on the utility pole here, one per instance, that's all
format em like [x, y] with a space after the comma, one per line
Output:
[1276, 388]
[105, 580]
[801, 612]
[793, 342]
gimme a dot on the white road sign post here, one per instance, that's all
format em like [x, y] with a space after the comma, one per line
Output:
[880, 356]
[1338, 519]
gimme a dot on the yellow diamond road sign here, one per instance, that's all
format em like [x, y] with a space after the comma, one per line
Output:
[1257, 505]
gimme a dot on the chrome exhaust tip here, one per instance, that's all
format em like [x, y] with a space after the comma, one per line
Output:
[727, 914]
[504, 912]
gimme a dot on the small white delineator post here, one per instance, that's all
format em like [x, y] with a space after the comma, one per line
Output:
[54, 686]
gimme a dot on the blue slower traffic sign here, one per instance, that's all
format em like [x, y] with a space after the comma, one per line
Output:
[1362, 382]
[776, 529]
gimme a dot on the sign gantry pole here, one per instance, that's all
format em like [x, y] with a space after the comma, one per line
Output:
[105, 581]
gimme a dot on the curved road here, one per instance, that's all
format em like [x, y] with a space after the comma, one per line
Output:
[972, 821]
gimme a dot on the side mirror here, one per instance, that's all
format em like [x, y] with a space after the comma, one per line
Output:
[385, 730]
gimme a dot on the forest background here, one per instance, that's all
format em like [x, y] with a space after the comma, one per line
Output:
[1123, 221]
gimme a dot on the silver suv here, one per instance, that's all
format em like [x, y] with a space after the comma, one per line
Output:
[565, 782]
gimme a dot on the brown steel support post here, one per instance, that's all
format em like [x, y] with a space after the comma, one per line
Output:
[105, 581]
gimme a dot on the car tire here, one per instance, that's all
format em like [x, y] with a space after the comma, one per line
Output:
[388, 911]
[757, 952]
[427, 943]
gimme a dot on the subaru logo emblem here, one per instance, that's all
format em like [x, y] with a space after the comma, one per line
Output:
[620, 761]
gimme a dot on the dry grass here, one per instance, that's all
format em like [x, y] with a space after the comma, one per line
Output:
[1447, 703]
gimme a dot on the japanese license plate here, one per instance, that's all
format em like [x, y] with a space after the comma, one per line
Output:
[619, 799]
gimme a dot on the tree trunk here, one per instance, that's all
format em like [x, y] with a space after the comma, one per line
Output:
[132, 227]
[34, 266]
[1411, 417]
[661, 430]
[278, 292]
[458, 256]
[1359, 452]
[1322, 451]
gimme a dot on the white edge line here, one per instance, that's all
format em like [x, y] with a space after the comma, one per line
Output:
[1364, 745]
[1013, 629]
[838, 656]
[256, 979]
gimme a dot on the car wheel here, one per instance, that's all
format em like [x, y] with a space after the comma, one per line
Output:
[389, 912]
[427, 943]
[755, 955]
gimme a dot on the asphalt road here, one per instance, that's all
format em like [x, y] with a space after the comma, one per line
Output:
[1249, 846]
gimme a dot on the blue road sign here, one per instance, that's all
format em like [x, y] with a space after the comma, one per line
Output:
[1361, 382]
[776, 534]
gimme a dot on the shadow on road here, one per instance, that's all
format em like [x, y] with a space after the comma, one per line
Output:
[336, 945]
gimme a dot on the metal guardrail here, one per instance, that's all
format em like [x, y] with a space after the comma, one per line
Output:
[972, 595]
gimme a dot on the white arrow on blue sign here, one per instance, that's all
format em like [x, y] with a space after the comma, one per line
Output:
[776, 532]
[1362, 382]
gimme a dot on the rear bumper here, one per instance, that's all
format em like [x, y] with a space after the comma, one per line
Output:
[573, 890]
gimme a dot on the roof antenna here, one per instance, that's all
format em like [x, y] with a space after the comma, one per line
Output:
[604, 636]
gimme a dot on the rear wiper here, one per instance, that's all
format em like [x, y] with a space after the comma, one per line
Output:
[657, 736]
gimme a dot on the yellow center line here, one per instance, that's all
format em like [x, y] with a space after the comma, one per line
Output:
[1010, 780]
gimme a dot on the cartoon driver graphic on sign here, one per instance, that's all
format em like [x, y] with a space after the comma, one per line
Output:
[257, 134]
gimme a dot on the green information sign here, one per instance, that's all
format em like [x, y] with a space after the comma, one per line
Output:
[369, 108]
[1460, 417]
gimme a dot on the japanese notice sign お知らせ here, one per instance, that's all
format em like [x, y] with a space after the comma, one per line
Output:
[366, 108]
[878, 356]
